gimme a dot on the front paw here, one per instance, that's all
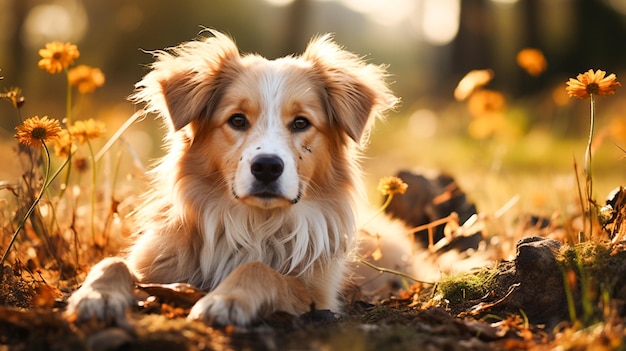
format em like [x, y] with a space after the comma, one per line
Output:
[108, 305]
[224, 309]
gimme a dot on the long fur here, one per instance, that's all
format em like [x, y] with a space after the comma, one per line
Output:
[196, 226]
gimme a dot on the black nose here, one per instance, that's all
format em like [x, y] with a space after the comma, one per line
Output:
[267, 168]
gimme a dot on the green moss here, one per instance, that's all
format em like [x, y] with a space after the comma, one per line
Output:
[598, 273]
[467, 286]
[595, 261]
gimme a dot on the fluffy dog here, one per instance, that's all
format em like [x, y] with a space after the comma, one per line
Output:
[255, 198]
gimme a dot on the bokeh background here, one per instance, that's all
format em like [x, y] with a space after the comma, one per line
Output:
[527, 148]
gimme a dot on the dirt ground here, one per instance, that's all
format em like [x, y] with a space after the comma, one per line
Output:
[392, 324]
[415, 318]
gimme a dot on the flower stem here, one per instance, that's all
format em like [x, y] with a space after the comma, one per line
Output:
[68, 122]
[32, 207]
[380, 210]
[93, 191]
[588, 171]
[68, 100]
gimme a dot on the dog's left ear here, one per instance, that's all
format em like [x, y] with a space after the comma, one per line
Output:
[185, 82]
[356, 92]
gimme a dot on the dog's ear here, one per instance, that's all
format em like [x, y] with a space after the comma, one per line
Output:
[356, 92]
[185, 82]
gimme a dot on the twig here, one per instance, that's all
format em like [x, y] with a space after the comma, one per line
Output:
[476, 309]
[506, 207]
[132, 119]
[394, 272]
[581, 199]
[429, 227]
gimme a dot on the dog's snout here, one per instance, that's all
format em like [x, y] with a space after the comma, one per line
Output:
[267, 168]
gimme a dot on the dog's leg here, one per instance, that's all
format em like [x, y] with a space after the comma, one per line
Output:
[252, 290]
[105, 295]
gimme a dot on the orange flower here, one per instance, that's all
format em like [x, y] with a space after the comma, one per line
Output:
[471, 81]
[589, 83]
[35, 131]
[392, 185]
[63, 145]
[486, 102]
[85, 130]
[86, 78]
[57, 56]
[532, 61]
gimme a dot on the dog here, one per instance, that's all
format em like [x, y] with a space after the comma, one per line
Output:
[254, 200]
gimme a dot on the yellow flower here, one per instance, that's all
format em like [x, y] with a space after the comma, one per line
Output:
[532, 61]
[392, 185]
[485, 103]
[63, 144]
[57, 56]
[86, 78]
[471, 81]
[589, 83]
[85, 130]
[35, 131]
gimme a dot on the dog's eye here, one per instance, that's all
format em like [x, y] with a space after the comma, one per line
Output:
[238, 121]
[299, 124]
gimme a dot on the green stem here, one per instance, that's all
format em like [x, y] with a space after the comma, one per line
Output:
[58, 171]
[571, 305]
[66, 181]
[19, 115]
[68, 101]
[93, 191]
[380, 210]
[588, 171]
[68, 123]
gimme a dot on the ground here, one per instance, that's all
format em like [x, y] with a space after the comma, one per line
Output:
[482, 310]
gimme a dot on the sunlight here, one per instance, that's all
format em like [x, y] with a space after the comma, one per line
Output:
[63, 21]
[440, 21]
[388, 13]
[423, 123]
[279, 3]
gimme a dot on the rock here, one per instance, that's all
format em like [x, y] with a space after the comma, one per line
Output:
[541, 294]
[533, 284]
[535, 255]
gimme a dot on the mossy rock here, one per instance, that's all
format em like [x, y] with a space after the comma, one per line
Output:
[547, 282]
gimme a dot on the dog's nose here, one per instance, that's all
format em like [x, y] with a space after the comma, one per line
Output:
[267, 168]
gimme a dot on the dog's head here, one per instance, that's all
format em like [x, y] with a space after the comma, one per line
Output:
[268, 132]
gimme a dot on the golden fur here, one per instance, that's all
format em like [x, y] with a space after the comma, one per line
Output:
[255, 198]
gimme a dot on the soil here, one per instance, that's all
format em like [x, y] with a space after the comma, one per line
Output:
[518, 304]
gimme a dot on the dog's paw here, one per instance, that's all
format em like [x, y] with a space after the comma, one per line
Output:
[224, 309]
[108, 305]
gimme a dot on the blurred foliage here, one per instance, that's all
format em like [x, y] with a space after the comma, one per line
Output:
[537, 126]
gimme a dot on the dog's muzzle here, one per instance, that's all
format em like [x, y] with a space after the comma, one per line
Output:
[270, 183]
[267, 168]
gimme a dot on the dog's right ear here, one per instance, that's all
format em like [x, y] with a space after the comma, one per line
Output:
[185, 82]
